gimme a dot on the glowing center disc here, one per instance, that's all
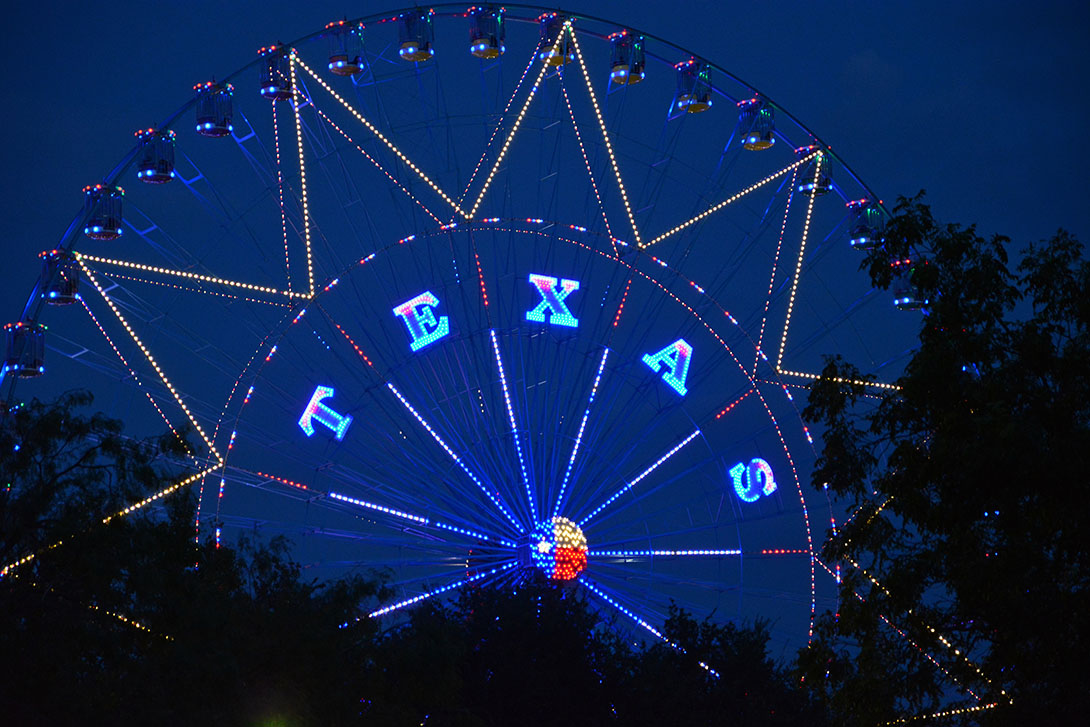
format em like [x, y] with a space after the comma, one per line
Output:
[559, 548]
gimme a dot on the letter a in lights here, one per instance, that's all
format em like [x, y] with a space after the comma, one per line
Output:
[673, 361]
[420, 320]
[553, 292]
[318, 412]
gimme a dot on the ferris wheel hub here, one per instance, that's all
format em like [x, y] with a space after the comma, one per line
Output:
[558, 547]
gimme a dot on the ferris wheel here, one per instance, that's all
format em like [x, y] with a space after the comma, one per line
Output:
[481, 295]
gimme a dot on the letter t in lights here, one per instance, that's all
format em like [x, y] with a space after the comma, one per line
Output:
[316, 411]
[420, 320]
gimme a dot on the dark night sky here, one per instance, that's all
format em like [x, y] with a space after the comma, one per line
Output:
[979, 103]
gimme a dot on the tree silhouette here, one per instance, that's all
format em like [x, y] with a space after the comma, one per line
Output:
[969, 490]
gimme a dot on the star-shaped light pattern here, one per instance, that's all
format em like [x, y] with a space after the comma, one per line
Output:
[472, 477]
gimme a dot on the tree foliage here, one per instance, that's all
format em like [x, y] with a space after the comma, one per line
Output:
[241, 639]
[969, 488]
[132, 621]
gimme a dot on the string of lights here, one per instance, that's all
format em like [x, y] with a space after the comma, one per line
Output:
[858, 382]
[420, 519]
[798, 263]
[641, 622]
[733, 198]
[185, 274]
[629, 485]
[660, 553]
[493, 496]
[944, 713]
[775, 266]
[160, 494]
[132, 373]
[377, 164]
[514, 427]
[496, 128]
[605, 131]
[151, 359]
[579, 436]
[726, 410]
[586, 163]
[514, 130]
[295, 105]
[441, 589]
[129, 621]
[193, 289]
[940, 637]
[925, 654]
[381, 137]
[280, 193]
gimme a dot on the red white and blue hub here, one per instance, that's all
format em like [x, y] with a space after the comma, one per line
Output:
[559, 548]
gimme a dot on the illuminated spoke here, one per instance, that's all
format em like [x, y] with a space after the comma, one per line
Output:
[381, 137]
[132, 373]
[661, 553]
[514, 127]
[798, 263]
[160, 494]
[442, 589]
[514, 428]
[419, 519]
[280, 193]
[151, 359]
[579, 436]
[772, 275]
[377, 165]
[857, 382]
[302, 172]
[83, 257]
[586, 163]
[605, 134]
[942, 639]
[738, 195]
[499, 125]
[598, 591]
[491, 495]
[628, 486]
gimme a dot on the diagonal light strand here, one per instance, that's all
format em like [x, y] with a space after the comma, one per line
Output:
[442, 589]
[302, 171]
[733, 198]
[605, 136]
[377, 165]
[597, 590]
[586, 163]
[151, 359]
[493, 496]
[499, 125]
[798, 263]
[381, 137]
[515, 126]
[579, 436]
[187, 275]
[628, 486]
[420, 519]
[514, 427]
